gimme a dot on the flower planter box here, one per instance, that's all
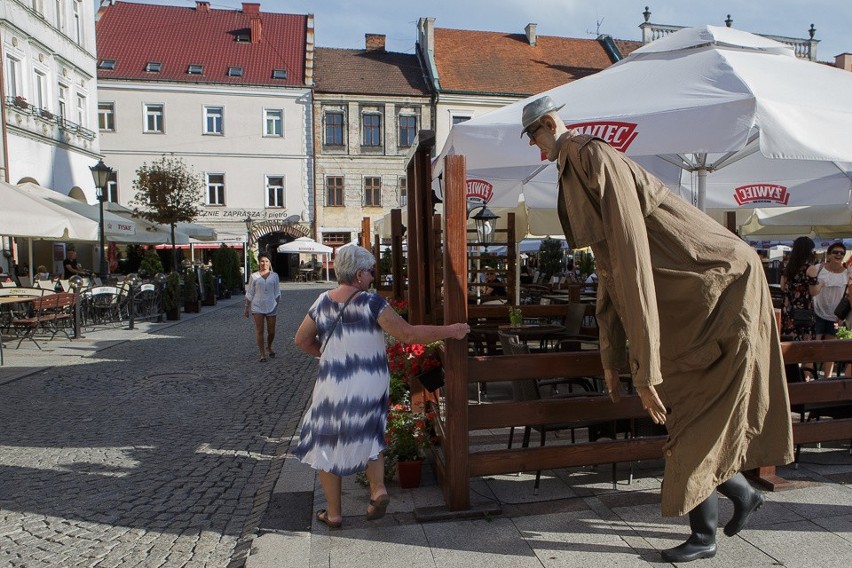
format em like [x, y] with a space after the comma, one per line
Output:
[410, 473]
[433, 379]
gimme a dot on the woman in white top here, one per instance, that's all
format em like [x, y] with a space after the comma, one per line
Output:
[828, 284]
[262, 295]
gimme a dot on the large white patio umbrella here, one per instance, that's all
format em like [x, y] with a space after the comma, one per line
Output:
[733, 118]
[24, 215]
[114, 225]
[306, 245]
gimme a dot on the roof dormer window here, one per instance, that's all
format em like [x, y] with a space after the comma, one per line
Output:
[242, 36]
[153, 67]
[235, 71]
[195, 70]
[107, 64]
[279, 73]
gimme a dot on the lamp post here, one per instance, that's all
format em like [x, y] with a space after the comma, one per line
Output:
[483, 219]
[101, 174]
[248, 221]
[484, 233]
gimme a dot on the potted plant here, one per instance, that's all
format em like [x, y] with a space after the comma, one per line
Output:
[191, 302]
[417, 360]
[407, 436]
[171, 296]
[209, 288]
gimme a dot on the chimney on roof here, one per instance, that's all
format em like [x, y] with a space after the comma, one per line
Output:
[374, 42]
[202, 6]
[255, 26]
[843, 61]
[530, 30]
[250, 8]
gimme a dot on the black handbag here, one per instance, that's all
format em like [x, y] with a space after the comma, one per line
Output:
[843, 307]
[803, 318]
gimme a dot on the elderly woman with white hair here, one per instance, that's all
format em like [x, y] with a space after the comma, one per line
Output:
[343, 430]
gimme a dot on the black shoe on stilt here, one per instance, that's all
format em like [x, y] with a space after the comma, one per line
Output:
[746, 500]
[702, 542]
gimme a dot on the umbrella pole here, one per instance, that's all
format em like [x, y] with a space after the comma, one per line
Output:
[702, 183]
[327, 260]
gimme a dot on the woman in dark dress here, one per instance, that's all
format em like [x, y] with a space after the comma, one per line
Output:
[796, 284]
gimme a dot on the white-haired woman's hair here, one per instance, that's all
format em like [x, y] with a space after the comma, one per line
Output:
[349, 260]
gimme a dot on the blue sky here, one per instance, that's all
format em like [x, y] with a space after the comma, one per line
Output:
[342, 23]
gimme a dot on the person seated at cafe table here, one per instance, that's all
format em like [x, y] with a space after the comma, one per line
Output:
[494, 286]
[691, 298]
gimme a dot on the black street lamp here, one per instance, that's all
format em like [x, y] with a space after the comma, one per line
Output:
[484, 230]
[101, 173]
[248, 221]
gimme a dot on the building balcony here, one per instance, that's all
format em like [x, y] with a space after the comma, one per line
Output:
[42, 122]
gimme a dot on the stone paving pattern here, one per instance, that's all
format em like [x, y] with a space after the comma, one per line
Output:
[161, 450]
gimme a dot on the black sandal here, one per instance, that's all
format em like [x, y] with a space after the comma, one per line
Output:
[380, 507]
[322, 516]
[272, 354]
[263, 359]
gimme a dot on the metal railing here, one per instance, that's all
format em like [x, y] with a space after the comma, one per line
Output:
[21, 105]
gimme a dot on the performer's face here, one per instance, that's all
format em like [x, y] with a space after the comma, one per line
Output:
[543, 135]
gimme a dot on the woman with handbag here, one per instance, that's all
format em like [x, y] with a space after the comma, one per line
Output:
[343, 429]
[831, 279]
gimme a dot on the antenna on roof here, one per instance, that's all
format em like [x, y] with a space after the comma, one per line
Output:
[598, 24]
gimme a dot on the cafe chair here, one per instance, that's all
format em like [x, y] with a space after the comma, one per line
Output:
[528, 390]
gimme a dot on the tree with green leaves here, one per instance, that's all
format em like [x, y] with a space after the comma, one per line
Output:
[167, 192]
[550, 257]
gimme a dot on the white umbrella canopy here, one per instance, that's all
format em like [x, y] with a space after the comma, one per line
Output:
[688, 107]
[114, 225]
[147, 232]
[306, 245]
[23, 215]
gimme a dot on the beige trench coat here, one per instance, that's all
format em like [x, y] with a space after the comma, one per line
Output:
[694, 303]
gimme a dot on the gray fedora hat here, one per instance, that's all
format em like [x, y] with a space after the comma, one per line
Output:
[535, 110]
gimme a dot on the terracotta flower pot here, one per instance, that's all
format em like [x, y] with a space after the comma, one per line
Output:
[410, 473]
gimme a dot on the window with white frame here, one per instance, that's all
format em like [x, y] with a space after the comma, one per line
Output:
[213, 117]
[63, 100]
[273, 120]
[372, 191]
[371, 129]
[39, 89]
[78, 23]
[275, 191]
[154, 118]
[60, 15]
[112, 188]
[215, 189]
[13, 77]
[82, 114]
[106, 117]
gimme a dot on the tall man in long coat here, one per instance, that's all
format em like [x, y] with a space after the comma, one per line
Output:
[693, 301]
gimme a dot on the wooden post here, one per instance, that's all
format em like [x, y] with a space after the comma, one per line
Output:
[396, 254]
[419, 168]
[365, 233]
[456, 483]
[731, 221]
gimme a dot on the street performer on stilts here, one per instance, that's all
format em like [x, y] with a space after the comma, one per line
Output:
[693, 301]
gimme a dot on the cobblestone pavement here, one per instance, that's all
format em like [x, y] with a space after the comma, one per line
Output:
[158, 451]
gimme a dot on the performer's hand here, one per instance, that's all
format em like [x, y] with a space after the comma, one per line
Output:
[652, 403]
[613, 384]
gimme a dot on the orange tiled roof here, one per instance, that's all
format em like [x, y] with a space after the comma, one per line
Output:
[368, 72]
[134, 34]
[503, 63]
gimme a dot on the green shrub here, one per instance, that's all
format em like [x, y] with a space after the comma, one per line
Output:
[171, 292]
[151, 263]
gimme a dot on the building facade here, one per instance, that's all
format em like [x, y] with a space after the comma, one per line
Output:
[369, 105]
[230, 94]
[49, 94]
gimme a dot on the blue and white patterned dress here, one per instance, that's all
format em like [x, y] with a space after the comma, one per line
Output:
[344, 426]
